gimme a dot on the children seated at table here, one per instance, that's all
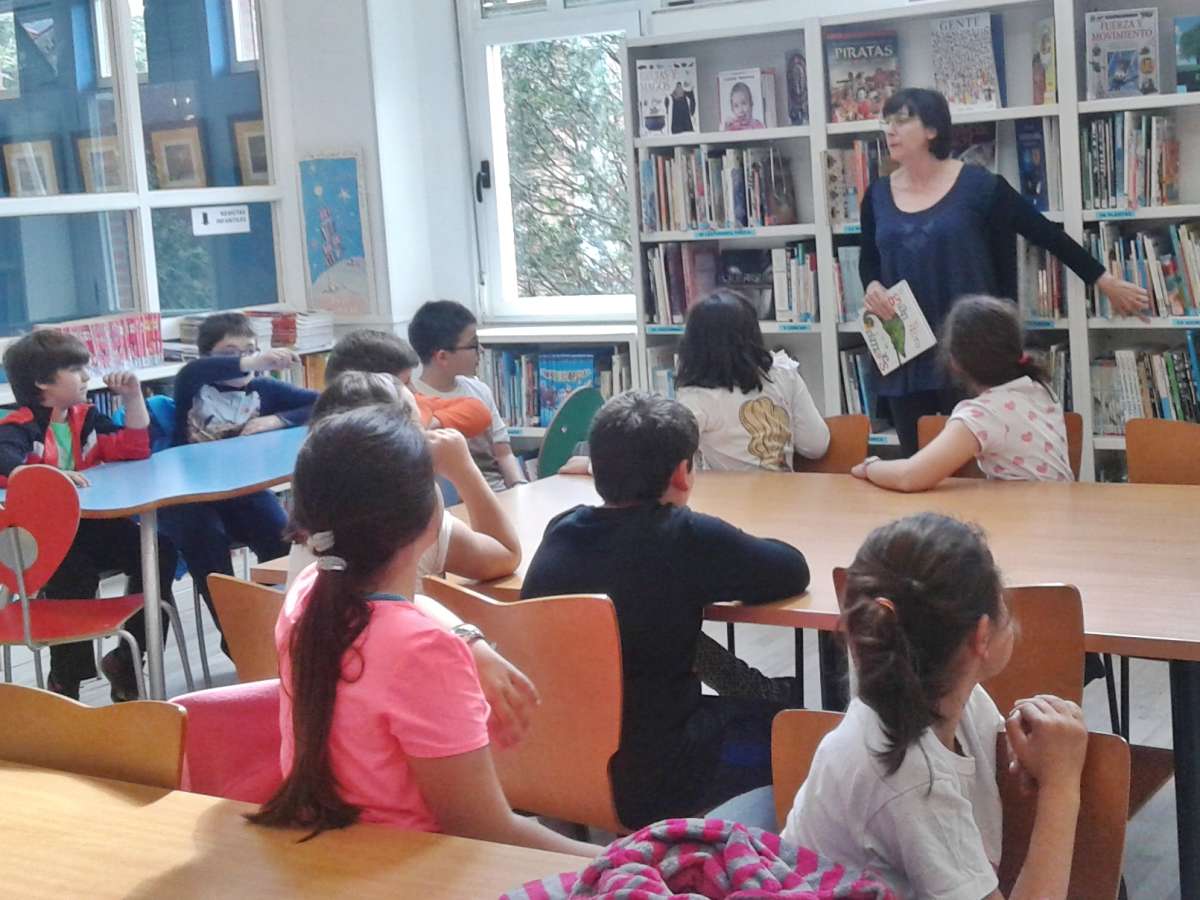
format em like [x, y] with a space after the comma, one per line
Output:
[906, 784]
[753, 413]
[1012, 425]
[662, 563]
[219, 396]
[443, 334]
[487, 548]
[382, 715]
[57, 426]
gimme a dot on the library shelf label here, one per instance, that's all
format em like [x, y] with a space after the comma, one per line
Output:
[664, 329]
[1185, 322]
[795, 326]
[1039, 324]
[1106, 214]
[851, 229]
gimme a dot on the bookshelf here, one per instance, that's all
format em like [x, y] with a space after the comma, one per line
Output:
[816, 345]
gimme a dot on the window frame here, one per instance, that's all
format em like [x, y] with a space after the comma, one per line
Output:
[13, 93]
[481, 39]
[237, 65]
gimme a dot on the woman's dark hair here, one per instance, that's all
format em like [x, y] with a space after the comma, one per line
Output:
[367, 477]
[369, 350]
[37, 358]
[218, 326]
[982, 339]
[722, 346]
[940, 579]
[928, 106]
[350, 390]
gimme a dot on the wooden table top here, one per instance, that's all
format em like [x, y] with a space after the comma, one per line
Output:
[64, 835]
[1130, 549]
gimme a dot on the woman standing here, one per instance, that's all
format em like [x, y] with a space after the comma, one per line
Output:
[950, 230]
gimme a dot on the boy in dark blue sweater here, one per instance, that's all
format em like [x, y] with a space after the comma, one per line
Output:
[218, 396]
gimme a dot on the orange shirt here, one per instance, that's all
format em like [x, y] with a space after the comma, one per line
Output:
[465, 414]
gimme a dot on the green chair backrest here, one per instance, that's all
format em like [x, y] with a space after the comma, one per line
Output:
[569, 426]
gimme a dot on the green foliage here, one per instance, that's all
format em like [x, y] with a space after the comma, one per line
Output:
[1189, 43]
[9, 67]
[187, 275]
[566, 156]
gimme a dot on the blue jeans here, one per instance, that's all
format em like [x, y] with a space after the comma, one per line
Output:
[755, 808]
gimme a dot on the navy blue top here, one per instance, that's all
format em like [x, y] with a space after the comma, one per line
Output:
[276, 398]
[963, 244]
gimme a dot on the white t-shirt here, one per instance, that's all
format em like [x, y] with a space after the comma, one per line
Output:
[432, 561]
[932, 830]
[758, 430]
[482, 446]
[1021, 432]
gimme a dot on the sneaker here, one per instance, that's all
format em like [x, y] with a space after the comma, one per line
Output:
[119, 671]
[61, 686]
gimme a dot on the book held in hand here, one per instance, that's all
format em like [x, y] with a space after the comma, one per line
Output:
[893, 342]
[666, 96]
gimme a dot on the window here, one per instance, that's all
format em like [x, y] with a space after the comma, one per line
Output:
[489, 8]
[10, 81]
[243, 32]
[137, 22]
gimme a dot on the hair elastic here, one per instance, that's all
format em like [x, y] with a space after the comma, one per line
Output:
[320, 541]
[331, 564]
[1023, 359]
[886, 604]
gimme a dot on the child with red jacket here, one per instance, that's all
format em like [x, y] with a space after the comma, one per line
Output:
[56, 426]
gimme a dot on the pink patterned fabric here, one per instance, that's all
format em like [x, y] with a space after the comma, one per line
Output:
[705, 858]
[232, 743]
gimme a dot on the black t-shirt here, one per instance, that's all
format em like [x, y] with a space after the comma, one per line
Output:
[661, 565]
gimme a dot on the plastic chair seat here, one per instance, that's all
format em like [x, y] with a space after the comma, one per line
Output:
[67, 621]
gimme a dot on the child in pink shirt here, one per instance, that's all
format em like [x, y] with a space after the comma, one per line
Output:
[1013, 426]
[381, 712]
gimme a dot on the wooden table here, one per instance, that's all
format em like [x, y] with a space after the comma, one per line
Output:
[1130, 549]
[272, 572]
[64, 835]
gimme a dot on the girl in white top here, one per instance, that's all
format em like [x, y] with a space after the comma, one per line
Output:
[752, 414]
[905, 787]
[1012, 426]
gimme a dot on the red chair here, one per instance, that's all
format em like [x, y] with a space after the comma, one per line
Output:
[37, 526]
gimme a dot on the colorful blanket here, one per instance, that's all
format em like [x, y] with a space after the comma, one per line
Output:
[705, 858]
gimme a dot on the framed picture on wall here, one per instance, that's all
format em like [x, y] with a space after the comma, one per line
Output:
[31, 168]
[178, 156]
[250, 139]
[101, 163]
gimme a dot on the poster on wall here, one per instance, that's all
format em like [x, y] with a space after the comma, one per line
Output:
[335, 234]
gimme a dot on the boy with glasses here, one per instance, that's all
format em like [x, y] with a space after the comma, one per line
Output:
[443, 334]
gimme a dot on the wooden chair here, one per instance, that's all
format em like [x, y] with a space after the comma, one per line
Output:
[929, 427]
[571, 650]
[141, 741]
[1159, 451]
[248, 613]
[848, 441]
[795, 734]
[569, 426]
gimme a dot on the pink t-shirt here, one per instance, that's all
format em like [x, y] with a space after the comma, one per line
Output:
[1021, 432]
[409, 689]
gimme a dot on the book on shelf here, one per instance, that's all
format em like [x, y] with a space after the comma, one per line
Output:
[849, 284]
[848, 174]
[1041, 288]
[1165, 261]
[893, 342]
[1056, 360]
[678, 276]
[794, 283]
[863, 68]
[1039, 163]
[300, 331]
[666, 96]
[1129, 160]
[968, 60]
[1187, 54]
[747, 99]
[1045, 66]
[1143, 383]
[120, 341]
[1122, 53]
[662, 361]
[531, 384]
[796, 69]
[974, 143]
[859, 379]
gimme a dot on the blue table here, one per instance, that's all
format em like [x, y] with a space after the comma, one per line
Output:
[189, 474]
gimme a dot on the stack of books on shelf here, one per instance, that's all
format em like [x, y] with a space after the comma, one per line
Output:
[678, 276]
[850, 292]
[300, 331]
[1129, 160]
[859, 376]
[701, 188]
[663, 361]
[122, 341]
[530, 385]
[106, 402]
[794, 274]
[848, 174]
[1146, 384]
[1041, 290]
[1165, 261]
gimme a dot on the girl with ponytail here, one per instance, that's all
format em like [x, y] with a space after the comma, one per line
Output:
[1012, 425]
[906, 784]
[381, 712]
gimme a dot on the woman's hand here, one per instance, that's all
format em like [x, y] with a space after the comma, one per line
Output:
[877, 302]
[509, 693]
[1126, 298]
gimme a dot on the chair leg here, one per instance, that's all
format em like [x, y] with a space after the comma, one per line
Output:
[199, 605]
[8, 664]
[1110, 684]
[729, 638]
[1125, 697]
[136, 655]
[172, 615]
[37, 667]
[99, 651]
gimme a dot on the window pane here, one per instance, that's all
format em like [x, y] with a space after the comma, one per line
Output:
[57, 118]
[566, 158]
[491, 8]
[56, 268]
[204, 272]
[201, 105]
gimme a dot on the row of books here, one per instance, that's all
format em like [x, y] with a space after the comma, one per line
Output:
[850, 292]
[1145, 384]
[1039, 162]
[1041, 285]
[859, 376]
[1056, 360]
[1165, 261]
[302, 331]
[678, 276]
[848, 174]
[696, 188]
[663, 361]
[794, 276]
[1129, 160]
[122, 341]
[531, 385]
